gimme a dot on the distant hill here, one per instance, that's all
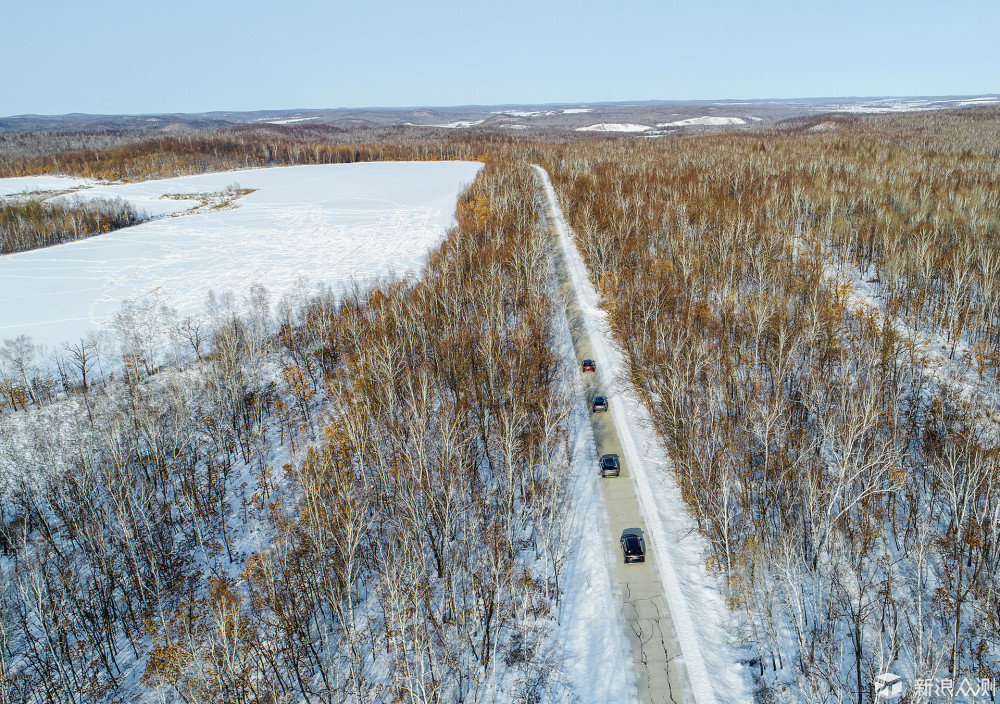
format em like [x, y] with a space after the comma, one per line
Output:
[657, 115]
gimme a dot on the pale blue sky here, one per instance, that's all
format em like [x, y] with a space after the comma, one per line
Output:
[113, 56]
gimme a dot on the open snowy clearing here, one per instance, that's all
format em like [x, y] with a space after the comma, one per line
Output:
[290, 121]
[706, 120]
[614, 127]
[912, 104]
[304, 226]
[35, 184]
[698, 610]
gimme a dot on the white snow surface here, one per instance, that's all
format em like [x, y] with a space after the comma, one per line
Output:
[574, 111]
[912, 104]
[705, 120]
[290, 120]
[305, 225]
[460, 124]
[697, 608]
[30, 184]
[524, 113]
[614, 127]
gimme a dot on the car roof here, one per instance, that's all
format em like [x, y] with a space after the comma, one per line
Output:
[609, 457]
[598, 398]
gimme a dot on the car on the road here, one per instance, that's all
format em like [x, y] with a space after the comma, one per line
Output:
[600, 404]
[632, 546]
[610, 466]
[589, 365]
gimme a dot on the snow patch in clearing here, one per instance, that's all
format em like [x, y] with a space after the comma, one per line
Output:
[911, 104]
[614, 127]
[524, 113]
[460, 124]
[290, 121]
[325, 225]
[705, 120]
[990, 100]
[31, 184]
[574, 111]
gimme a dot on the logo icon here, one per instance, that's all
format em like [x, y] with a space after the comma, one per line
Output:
[888, 686]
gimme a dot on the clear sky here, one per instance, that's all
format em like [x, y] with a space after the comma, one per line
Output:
[117, 56]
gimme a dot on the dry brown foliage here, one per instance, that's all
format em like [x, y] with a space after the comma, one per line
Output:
[839, 484]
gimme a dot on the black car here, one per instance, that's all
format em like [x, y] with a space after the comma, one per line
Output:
[610, 467]
[600, 404]
[632, 546]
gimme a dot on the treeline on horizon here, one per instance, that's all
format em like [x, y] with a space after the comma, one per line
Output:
[129, 157]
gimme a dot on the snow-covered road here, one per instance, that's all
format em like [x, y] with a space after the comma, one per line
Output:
[687, 609]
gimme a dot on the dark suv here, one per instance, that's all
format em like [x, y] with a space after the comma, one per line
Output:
[632, 546]
[610, 467]
[600, 404]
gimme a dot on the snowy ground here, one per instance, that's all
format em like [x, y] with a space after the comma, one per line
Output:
[304, 226]
[697, 607]
[30, 184]
[706, 120]
[614, 127]
[911, 104]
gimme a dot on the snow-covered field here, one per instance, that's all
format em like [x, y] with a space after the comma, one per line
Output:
[614, 127]
[289, 121]
[304, 226]
[706, 120]
[28, 184]
[911, 104]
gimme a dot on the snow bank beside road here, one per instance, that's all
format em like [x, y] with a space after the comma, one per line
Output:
[697, 608]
